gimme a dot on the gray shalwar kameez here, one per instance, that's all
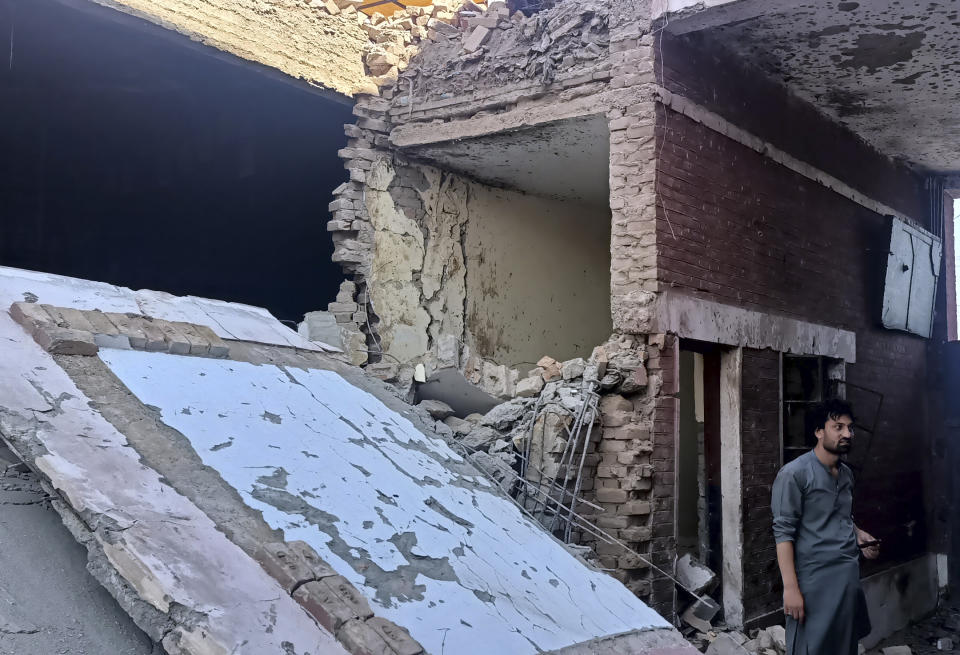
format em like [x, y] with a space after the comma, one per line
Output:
[813, 509]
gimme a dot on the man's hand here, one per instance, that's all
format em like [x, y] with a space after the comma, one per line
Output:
[793, 603]
[870, 552]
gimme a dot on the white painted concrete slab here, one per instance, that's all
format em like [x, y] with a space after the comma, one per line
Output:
[228, 320]
[159, 541]
[398, 513]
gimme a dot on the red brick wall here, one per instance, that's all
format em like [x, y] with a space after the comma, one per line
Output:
[702, 71]
[760, 424]
[738, 228]
[666, 421]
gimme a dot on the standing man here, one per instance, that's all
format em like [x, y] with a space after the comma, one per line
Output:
[818, 545]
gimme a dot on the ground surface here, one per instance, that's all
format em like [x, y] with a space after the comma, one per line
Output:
[922, 637]
[49, 604]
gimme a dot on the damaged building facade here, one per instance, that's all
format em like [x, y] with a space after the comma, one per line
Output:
[625, 244]
[622, 205]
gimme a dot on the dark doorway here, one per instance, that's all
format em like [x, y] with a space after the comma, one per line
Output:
[699, 469]
[131, 155]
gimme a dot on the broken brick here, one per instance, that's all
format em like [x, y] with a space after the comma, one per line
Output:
[284, 565]
[31, 316]
[64, 341]
[397, 637]
[361, 639]
[329, 606]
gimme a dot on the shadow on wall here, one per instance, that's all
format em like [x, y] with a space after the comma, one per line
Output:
[130, 157]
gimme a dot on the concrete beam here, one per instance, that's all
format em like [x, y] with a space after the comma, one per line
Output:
[690, 317]
[530, 113]
[685, 16]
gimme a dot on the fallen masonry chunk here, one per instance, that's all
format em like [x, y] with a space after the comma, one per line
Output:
[480, 438]
[726, 645]
[704, 608]
[690, 618]
[31, 316]
[458, 425]
[498, 466]
[530, 387]
[944, 643]
[779, 636]
[505, 414]
[573, 368]
[695, 576]
[436, 408]
[64, 341]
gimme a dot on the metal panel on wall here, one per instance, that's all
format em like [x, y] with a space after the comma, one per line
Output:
[913, 268]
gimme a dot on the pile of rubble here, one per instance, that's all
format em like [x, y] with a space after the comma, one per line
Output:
[770, 641]
[556, 409]
[395, 39]
[565, 44]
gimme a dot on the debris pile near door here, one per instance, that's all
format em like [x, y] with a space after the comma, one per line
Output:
[938, 633]
[769, 641]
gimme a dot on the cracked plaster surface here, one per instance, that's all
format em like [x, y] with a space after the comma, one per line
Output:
[398, 513]
[160, 543]
[418, 275]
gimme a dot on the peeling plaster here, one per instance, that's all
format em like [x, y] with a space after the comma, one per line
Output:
[397, 256]
[426, 539]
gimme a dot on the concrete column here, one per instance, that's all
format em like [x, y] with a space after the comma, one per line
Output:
[731, 453]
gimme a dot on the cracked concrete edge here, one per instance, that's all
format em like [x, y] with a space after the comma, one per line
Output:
[162, 627]
[292, 564]
[156, 624]
[658, 641]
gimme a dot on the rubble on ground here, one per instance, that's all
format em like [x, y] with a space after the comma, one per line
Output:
[719, 641]
[939, 633]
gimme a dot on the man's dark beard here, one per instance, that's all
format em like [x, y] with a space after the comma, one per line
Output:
[840, 449]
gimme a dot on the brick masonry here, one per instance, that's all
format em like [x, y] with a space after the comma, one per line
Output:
[66, 331]
[738, 228]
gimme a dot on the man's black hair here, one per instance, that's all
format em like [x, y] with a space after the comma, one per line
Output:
[833, 408]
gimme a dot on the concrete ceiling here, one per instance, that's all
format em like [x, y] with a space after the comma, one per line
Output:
[889, 70]
[567, 160]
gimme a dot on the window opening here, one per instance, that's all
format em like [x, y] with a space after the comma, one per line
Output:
[806, 381]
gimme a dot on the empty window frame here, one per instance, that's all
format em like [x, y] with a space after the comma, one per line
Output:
[805, 381]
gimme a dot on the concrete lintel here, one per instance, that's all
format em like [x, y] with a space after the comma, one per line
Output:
[419, 134]
[522, 117]
[685, 16]
[731, 484]
[705, 320]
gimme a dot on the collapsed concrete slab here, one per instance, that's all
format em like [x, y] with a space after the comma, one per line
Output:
[280, 500]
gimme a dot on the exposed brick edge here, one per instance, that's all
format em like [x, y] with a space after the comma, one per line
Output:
[333, 602]
[68, 331]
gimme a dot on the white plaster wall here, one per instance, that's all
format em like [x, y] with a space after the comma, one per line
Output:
[538, 276]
